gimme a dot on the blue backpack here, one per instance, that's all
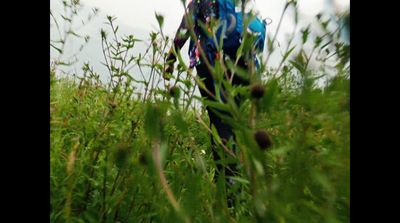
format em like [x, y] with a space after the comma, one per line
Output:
[231, 24]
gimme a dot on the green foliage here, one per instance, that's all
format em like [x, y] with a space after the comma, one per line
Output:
[118, 154]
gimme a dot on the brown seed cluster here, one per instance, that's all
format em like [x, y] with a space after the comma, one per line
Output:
[257, 91]
[263, 139]
[174, 91]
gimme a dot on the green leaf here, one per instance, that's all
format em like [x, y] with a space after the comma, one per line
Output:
[56, 48]
[270, 95]
[73, 33]
[153, 120]
[326, 44]
[66, 19]
[117, 58]
[239, 51]
[288, 53]
[317, 41]
[160, 19]
[306, 32]
[216, 105]
[270, 44]
[241, 180]
[215, 134]
[298, 66]
[259, 167]
[241, 72]
[180, 122]
[159, 66]
[187, 83]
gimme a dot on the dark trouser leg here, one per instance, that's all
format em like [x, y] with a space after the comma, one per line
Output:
[224, 129]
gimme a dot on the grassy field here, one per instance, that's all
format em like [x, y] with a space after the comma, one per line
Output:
[123, 155]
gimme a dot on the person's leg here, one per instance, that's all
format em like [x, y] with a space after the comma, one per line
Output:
[236, 81]
[224, 129]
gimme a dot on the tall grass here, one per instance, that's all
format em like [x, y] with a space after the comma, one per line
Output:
[123, 155]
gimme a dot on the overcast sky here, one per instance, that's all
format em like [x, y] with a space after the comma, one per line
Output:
[137, 17]
[140, 13]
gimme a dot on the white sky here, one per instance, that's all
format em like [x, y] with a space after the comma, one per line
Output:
[140, 13]
[139, 16]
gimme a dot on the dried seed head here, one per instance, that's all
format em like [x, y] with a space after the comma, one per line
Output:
[113, 104]
[257, 91]
[174, 92]
[224, 141]
[143, 159]
[263, 139]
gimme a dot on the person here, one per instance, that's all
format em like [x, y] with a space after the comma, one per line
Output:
[199, 45]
